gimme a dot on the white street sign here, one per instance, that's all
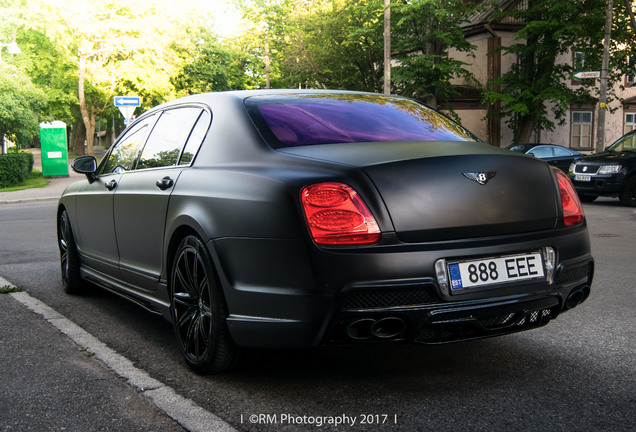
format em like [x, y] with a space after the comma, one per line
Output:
[127, 105]
[589, 74]
[127, 111]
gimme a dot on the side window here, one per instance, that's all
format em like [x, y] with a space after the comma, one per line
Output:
[542, 152]
[123, 156]
[560, 152]
[168, 137]
[196, 138]
[628, 143]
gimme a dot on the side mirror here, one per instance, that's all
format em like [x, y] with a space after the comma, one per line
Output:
[86, 165]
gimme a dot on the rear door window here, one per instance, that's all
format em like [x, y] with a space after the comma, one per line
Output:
[168, 137]
[195, 139]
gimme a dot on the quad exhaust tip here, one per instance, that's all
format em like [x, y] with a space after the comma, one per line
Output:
[370, 328]
[576, 297]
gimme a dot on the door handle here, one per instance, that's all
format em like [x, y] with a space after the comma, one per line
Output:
[111, 185]
[165, 183]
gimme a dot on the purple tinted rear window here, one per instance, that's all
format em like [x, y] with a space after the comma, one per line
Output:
[307, 119]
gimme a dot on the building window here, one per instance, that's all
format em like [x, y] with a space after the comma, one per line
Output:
[630, 122]
[578, 65]
[630, 80]
[579, 61]
[581, 130]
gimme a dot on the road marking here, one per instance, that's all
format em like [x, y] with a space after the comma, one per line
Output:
[184, 411]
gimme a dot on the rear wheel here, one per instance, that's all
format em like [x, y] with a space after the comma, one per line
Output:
[69, 258]
[199, 311]
[628, 196]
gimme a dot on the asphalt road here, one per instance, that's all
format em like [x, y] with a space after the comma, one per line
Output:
[576, 374]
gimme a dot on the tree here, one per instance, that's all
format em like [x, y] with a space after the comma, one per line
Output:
[211, 65]
[20, 105]
[119, 48]
[336, 44]
[424, 32]
[536, 88]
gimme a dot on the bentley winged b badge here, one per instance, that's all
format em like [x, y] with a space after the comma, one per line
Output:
[480, 177]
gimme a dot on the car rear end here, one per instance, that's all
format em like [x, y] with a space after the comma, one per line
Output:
[428, 241]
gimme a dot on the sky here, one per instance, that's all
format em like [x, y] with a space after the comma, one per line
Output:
[227, 17]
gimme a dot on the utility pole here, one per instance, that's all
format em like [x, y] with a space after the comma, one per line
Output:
[387, 47]
[602, 99]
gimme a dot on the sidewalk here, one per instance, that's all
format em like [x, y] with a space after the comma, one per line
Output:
[52, 191]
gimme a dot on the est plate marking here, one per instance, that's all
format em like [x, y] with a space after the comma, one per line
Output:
[496, 270]
[582, 177]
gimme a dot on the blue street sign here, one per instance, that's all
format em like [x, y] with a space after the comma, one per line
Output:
[120, 101]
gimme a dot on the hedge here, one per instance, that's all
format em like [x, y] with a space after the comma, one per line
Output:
[14, 168]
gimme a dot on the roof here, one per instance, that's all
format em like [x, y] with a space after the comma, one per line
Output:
[488, 17]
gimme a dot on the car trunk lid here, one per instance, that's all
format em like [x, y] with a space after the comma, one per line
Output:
[452, 190]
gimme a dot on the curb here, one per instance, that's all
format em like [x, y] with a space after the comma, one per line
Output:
[182, 410]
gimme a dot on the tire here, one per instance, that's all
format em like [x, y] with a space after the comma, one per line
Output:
[199, 311]
[69, 257]
[628, 196]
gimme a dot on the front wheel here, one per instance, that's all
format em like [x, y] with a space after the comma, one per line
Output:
[199, 311]
[69, 257]
[628, 196]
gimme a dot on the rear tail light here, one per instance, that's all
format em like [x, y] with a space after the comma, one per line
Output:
[572, 208]
[337, 216]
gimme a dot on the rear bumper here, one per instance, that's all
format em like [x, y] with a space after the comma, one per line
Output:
[315, 296]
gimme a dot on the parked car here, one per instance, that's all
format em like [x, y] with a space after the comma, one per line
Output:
[611, 173]
[556, 155]
[287, 218]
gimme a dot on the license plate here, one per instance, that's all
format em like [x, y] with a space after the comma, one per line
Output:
[582, 177]
[496, 270]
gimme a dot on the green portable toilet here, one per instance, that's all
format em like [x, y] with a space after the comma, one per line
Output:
[54, 149]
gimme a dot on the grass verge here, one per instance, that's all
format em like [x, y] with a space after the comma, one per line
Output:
[35, 180]
[10, 289]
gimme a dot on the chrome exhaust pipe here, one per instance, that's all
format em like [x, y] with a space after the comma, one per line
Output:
[576, 297]
[388, 328]
[360, 329]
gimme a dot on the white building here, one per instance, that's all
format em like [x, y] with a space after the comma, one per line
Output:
[579, 130]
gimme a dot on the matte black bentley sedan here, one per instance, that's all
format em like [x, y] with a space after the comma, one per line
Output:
[295, 218]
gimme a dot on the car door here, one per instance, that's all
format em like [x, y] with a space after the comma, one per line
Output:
[562, 158]
[96, 229]
[142, 197]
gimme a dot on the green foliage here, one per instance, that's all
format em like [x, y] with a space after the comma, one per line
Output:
[34, 180]
[51, 70]
[536, 88]
[336, 44]
[8, 289]
[21, 103]
[209, 65]
[424, 32]
[14, 168]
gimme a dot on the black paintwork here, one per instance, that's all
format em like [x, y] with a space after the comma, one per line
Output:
[241, 198]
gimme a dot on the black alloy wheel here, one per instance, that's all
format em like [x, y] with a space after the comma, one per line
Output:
[198, 310]
[628, 197]
[69, 257]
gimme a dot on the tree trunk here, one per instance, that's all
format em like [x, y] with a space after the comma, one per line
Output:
[525, 127]
[89, 119]
[78, 137]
